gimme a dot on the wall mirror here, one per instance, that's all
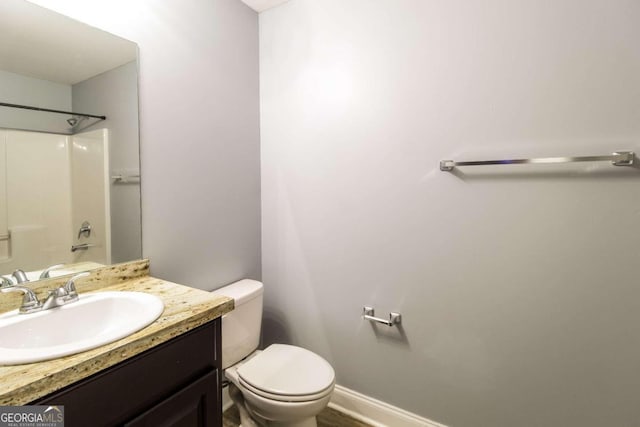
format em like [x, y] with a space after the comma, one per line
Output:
[69, 144]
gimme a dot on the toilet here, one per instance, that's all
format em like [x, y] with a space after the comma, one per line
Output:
[282, 385]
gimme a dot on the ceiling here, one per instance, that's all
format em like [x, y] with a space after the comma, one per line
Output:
[262, 5]
[39, 43]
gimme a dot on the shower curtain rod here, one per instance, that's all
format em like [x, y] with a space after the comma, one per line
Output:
[28, 107]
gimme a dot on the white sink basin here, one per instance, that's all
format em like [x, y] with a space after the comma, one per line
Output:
[96, 319]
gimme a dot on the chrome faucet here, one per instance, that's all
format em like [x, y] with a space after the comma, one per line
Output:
[47, 271]
[63, 295]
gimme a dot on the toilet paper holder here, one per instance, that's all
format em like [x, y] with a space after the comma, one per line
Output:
[394, 318]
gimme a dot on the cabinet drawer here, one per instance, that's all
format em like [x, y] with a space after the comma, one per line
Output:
[193, 406]
[123, 391]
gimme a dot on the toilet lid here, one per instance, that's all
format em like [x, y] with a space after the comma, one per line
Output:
[287, 370]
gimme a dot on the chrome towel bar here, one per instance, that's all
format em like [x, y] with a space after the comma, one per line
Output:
[619, 158]
[394, 318]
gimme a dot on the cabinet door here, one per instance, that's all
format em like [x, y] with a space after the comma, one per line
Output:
[193, 406]
[128, 389]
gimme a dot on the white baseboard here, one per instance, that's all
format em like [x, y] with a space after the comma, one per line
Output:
[375, 412]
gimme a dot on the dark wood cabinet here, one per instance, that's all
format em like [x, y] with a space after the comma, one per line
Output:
[175, 384]
[192, 406]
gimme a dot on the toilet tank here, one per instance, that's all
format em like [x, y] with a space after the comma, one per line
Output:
[241, 327]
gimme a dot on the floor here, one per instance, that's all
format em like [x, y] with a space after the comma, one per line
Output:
[327, 418]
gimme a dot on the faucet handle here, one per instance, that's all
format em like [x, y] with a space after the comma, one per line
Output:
[70, 286]
[47, 271]
[29, 300]
[5, 282]
[20, 276]
[85, 229]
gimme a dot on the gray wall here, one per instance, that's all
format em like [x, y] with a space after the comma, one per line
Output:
[25, 90]
[115, 94]
[518, 285]
[199, 123]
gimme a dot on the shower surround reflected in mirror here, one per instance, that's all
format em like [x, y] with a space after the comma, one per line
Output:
[69, 176]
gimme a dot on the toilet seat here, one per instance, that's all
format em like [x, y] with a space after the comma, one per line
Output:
[287, 373]
[287, 397]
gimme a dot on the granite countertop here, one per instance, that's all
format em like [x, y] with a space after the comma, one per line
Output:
[185, 309]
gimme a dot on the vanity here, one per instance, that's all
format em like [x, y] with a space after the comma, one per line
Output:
[167, 374]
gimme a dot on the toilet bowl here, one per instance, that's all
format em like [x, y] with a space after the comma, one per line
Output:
[282, 385]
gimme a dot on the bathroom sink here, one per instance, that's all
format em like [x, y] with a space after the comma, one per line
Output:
[94, 320]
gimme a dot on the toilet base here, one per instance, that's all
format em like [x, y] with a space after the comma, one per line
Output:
[250, 419]
[309, 422]
[236, 397]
